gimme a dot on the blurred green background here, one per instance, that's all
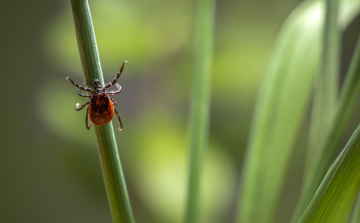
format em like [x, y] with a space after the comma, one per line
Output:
[49, 165]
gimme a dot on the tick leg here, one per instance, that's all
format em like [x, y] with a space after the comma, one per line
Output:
[115, 92]
[83, 95]
[113, 101]
[79, 108]
[87, 121]
[78, 86]
[117, 76]
[117, 114]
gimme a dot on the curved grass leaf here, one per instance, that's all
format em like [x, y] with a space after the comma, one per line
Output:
[280, 109]
[337, 193]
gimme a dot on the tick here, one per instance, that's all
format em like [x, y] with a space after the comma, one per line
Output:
[101, 106]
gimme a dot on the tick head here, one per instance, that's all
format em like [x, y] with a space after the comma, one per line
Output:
[97, 84]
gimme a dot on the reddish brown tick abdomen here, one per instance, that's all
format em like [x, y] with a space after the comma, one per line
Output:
[101, 109]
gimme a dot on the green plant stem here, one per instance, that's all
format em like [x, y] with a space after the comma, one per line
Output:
[346, 102]
[109, 157]
[200, 104]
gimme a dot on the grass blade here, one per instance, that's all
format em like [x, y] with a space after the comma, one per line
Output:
[109, 157]
[338, 191]
[327, 81]
[200, 104]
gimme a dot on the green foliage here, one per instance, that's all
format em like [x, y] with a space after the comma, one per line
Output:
[327, 149]
[280, 110]
[325, 98]
[282, 104]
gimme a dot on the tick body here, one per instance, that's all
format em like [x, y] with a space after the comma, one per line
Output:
[101, 107]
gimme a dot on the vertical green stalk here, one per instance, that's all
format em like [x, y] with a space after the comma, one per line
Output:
[109, 157]
[200, 104]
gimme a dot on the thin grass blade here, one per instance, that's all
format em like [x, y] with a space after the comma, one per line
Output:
[200, 104]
